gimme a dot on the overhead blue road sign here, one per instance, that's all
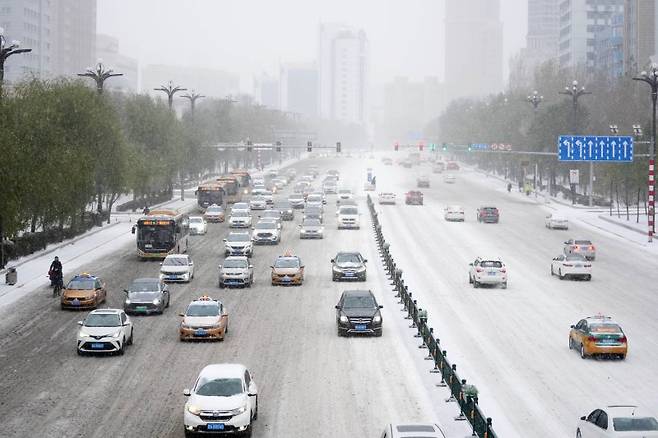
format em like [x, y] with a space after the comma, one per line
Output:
[595, 148]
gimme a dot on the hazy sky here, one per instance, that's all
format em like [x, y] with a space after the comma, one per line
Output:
[250, 36]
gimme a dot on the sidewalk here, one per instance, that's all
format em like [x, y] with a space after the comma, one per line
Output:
[596, 218]
[92, 245]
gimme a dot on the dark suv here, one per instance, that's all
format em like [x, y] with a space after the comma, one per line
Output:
[358, 312]
[145, 296]
[488, 214]
[348, 266]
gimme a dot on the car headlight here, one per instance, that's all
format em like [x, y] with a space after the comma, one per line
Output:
[83, 334]
[127, 301]
[344, 319]
[361, 269]
[184, 326]
[239, 410]
[156, 301]
[116, 334]
[337, 269]
[303, 231]
[193, 409]
[377, 319]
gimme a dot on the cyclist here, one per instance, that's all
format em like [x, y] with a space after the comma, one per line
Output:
[56, 275]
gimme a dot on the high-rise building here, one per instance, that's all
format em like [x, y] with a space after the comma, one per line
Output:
[640, 34]
[107, 50]
[609, 48]
[543, 31]
[580, 21]
[299, 89]
[474, 48]
[61, 34]
[266, 91]
[342, 73]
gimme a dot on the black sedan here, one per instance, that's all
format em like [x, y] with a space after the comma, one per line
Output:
[145, 296]
[357, 312]
[348, 266]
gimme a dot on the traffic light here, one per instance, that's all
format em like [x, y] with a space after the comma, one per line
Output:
[278, 146]
[249, 146]
[309, 146]
[445, 147]
[397, 146]
[338, 146]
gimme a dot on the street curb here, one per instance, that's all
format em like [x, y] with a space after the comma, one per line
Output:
[628, 227]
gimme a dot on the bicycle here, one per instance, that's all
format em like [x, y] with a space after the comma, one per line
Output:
[57, 289]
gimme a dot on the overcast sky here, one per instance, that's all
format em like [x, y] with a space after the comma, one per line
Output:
[251, 36]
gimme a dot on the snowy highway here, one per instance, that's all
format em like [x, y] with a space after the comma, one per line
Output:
[512, 344]
[312, 383]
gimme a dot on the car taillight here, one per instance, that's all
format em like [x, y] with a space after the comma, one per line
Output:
[591, 338]
[567, 265]
[576, 247]
[588, 265]
[478, 269]
[503, 270]
[591, 248]
[623, 339]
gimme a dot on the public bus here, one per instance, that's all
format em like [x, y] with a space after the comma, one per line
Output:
[160, 233]
[244, 179]
[208, 194]
[232, 192]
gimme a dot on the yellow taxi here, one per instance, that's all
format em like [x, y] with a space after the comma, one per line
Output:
[84, 291]
[204, 319]
[598, 335]
[287, 269]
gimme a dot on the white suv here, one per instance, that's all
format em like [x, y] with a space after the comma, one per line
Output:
[105, 331]
[239, 219]
[490, 271]
[348, 217]
[223, 400]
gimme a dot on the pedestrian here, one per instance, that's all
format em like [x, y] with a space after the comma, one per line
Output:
[147, 210]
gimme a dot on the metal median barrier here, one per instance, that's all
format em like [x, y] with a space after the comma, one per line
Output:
[463, 394]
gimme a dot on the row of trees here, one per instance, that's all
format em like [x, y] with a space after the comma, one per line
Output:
[510, 118]
[65, 148]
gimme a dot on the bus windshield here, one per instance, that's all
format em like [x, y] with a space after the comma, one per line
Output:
[156, 234]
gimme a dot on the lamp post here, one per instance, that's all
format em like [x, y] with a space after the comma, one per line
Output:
[535, 99]
[99, 74]
[575, 94]
[170, 90]
[5, 52]
[651, 78]
[193, 97]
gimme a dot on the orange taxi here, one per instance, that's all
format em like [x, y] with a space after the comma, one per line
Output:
[598, 335]
[84, 291]
[204, 319]
[287, 269]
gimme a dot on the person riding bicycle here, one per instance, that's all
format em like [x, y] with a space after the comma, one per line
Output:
[55, 273]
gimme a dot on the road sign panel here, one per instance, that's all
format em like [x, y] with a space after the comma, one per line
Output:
[595, 148]
[574, 176]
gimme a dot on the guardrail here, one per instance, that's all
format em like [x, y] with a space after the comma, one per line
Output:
[463, 394]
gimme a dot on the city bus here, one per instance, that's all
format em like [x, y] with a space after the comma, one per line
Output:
[160, 233]
[244, 179]
[232, 192]
[208, 194]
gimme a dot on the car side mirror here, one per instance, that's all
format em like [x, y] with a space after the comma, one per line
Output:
[566, 243]
[365, 260]
[133, 230]
[125, 324]
[582, 418]
[272, 266]
[251, 266]
[337, 307]
[380, 306]
[224, 240]
[470, 264]
[160, 263]
[572, 326]
[220, 266]
[126, 291]
[181, 314]
[80, 323]
[191, 263]
[251, 394]
[187, 392]
[333, 261]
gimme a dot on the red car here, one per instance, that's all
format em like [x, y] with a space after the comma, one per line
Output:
[488, 214]
[414, 197]
[452, 165]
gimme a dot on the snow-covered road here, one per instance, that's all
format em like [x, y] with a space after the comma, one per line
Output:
[512, 343]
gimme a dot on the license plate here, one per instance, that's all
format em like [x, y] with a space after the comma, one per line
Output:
[492, 273]
[578, 265]
[141, 308]
[215, 426]
[200, 332]
[75, 302]
[172, 277]
[349, 274]
[360, 327]
[97, 345]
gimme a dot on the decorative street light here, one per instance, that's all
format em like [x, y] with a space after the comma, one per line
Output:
[193, 97]
[170, 91]
[5, 52]
[614, 129]
[99, 74]
[651, 78]
[575, 94]
[535, 99]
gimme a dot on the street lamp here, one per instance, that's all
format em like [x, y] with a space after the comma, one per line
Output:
[575, 94]
[193, 98]
[535, 99]
[614, 129]
[99, 74]
[651, 78]
[6, 51]
[637, 130]
[170, 91]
